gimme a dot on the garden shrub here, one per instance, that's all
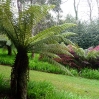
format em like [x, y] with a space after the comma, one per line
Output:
[39, 90]
[74, 61]
[90, 73]
[45, 90]
[88, 58]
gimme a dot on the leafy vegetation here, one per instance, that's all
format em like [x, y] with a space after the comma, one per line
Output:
[24, 32]
[36, 90]
[81, 58]
[36, 64]
[88, 32]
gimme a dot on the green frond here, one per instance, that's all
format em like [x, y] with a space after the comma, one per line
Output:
[49, 54]
[19, 30]
[80, 52]
[67, 41]
[67, 34]
[29, 18]
[54, 30]
[51, 36]
[6, 22]
[49, 40]
[52, 48]
[92, 54]
[57, 64]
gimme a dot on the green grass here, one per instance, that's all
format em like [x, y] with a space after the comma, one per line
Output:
[75, 85]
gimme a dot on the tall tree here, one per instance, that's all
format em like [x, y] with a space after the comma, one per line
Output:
[90, 4]
[97, 1]
[76, 5]
[45, 42]
[57, 8]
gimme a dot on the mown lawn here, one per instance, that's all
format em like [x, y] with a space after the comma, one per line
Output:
[78, 85]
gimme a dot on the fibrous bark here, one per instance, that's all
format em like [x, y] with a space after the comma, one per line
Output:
[19, 76]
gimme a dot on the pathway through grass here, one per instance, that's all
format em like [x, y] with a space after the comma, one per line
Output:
[76, 85]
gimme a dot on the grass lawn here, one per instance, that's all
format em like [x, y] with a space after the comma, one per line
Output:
[78, 85]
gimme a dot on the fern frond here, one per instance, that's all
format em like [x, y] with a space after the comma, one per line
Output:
[57, 65]
[92, 54]
[53, 48]
[49, 54]
[67, 34]
[54, 30]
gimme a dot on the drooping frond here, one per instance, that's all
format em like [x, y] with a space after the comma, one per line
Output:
[19, 29]
[29, 18]
[67, 34]
[57, 64]
[54, 30]
[80, 52]
[53, 48]
[92, 54]
[52, 35]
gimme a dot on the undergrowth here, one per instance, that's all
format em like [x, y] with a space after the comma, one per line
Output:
[35, 64]
[38, 90]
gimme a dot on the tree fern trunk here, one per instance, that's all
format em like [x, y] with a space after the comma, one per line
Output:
[14, 78]
[20, 75]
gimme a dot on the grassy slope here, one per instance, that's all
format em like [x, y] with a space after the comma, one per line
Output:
[77, 85]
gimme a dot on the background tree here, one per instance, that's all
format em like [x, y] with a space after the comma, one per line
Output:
[87, 33]
[97, 1]
[90, 4]
[57, 8]
[76, 5]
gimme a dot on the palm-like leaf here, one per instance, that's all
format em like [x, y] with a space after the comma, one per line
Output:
[92, 54]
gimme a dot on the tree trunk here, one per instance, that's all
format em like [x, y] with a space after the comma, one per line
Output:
[9, 50]
[19, 76]
[76, 9]
[90, 9]
[98, 7]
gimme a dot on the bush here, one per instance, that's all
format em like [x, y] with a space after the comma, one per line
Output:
[39, 90]
[74, 61]
[45, 66]
[90, 73]
[81, 58]
[45, 90]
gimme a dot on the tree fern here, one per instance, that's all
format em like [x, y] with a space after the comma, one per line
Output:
[46, 42]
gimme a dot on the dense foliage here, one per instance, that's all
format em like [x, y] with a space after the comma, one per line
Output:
[88, 32]
[81, 58]
[36, 64]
